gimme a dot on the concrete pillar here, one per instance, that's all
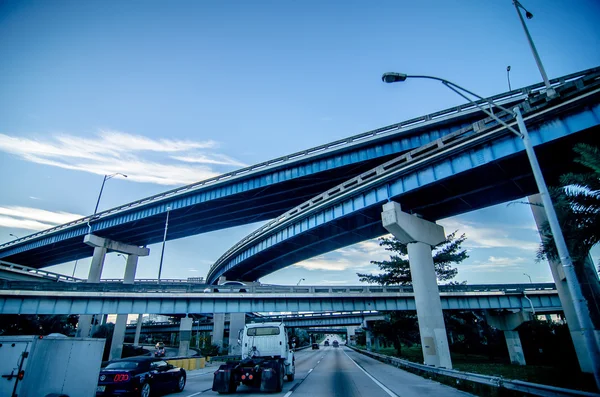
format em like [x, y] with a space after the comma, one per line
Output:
[84, 325]
[377, 347]
[369, 339]
[509, 322]
[351, 335]
[563, 293]
[237, 321]
[420, 236]
[138, 330]
[515, 350]
[185, 336]
[218, 329]
[116, 347]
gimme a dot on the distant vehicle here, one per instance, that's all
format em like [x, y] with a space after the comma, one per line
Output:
[336, 343]
[230, 286]
[139, 376]
[160, 352]
[326, 343]
[160, 345]
[315, 346]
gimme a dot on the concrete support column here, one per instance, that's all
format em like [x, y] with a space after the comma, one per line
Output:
[185, 335]
[237, 321]
[377, 346]
[138, 330]
[116, 347]
[509, 322]
[515, 350]
[369, 339]
[351, 335]
[218, 329]
[420, 236]
[173, 336]
[84, 325]
[563, 293]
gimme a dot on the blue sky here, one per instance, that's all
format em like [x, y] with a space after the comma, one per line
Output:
[170, 93]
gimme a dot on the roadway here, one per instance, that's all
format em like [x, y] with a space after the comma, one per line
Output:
[337, 372]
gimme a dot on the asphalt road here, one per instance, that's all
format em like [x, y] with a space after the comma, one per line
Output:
[338, 372]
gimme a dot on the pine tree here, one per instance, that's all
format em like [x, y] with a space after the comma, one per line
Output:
[396, 270]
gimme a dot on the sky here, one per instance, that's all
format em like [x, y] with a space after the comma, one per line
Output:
[171, 93]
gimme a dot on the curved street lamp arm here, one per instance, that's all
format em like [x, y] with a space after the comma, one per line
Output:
[457, 89]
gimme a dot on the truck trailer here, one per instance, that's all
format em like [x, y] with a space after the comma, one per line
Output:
[49, 366]
[267, 358]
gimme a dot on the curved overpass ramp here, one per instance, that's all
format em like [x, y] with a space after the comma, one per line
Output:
[480, 165]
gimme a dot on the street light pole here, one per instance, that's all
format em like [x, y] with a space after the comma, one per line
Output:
[549, 90]
[12, 235]
[577, 298]
[525, 274]
[299, 281]
[162, 254]
[74, 268]
[106, 178]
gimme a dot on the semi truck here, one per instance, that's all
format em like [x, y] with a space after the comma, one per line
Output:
[49, 366]
[267, 358]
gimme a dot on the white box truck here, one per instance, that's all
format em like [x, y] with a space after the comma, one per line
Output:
[49, 366]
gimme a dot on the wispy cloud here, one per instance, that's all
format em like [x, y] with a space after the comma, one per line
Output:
[356, 257]
[484, 236]
[114, 151]
[33, 218]
[34, 198]
[496, 264]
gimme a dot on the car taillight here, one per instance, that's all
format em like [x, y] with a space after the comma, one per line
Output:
[121, 377]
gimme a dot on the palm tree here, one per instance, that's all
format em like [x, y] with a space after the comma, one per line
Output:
[577, 205]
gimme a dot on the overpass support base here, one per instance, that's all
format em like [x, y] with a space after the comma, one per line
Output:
[237, 321]
[509, 322]
[218, 330]
[351, 335]
[185, 335]
[138, 330]
[116, 347]
[420, 236]
[564, 294]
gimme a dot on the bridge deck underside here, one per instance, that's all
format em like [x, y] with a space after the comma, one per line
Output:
[496, 182]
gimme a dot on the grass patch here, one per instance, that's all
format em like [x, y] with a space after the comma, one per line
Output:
[567, 377]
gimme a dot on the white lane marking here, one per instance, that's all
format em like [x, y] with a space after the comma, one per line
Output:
[288, 394]
[310, 370]
[195, 394]
[318, 361]
[385, 389]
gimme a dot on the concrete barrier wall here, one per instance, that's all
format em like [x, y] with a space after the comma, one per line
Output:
[189, 364]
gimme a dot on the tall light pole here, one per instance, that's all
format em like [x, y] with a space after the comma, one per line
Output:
[525, 274]
[518, 6]
[74, 268]
[106, 178]
[162, 254]
[577, 298]
[12, 235]
[301, 280]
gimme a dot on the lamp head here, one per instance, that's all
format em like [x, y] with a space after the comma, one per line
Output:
[508, 68]
[528, 15]
[393, 77]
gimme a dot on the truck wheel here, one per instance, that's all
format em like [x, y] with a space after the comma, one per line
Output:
[280, 377]
[290, 377]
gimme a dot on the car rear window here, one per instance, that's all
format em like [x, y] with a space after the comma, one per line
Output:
[122, 365]
[263, 331]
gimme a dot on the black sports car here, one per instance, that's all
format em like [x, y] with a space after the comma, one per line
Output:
[138, 376]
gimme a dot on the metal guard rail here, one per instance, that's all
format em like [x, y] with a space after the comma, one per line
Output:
[507, 289]
[528, 388]
[393, 166]
[415, 122]
[13, 267]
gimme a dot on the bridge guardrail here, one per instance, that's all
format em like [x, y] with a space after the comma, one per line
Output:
[13, 267]
[532, 389]
[433, 117]
[566, 84]
[507, 289]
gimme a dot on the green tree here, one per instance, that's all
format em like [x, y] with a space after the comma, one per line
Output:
[396, 270]
[402, 327]
[577, 206]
